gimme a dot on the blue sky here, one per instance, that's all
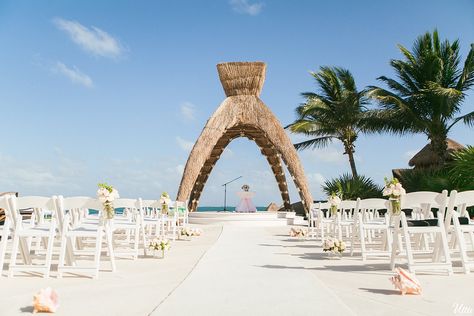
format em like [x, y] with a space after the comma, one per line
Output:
[118, 91]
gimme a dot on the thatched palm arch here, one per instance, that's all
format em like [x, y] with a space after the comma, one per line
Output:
[242, 114]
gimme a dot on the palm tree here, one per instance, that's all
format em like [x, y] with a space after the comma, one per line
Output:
[428, 94]
[336, 112]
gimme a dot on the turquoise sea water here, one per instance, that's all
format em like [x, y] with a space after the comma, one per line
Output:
[220, 208]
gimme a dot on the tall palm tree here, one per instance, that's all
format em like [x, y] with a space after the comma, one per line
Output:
[428, 93]
[337, 111]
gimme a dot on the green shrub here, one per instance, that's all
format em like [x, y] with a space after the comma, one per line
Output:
[435, 180]
[352, 188]
[461, 169]
[456, 175]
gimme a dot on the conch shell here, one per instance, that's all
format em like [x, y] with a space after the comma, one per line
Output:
[405, 282]
[46, 301]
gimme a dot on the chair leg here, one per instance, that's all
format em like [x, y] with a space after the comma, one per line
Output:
[408, 249]
[62, 255]
[97, 253]
[462, 248]
[447, 256]
[136, 242]
[363, 250]
[16, 241]
[49, 251]
[111, 249]
[353, 238]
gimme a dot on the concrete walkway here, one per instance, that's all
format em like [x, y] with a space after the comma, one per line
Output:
[244, 274]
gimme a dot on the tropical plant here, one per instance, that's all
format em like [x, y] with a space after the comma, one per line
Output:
[351, 188]
[337, 111]
[461, 169]
[428, 94]
[430, 179]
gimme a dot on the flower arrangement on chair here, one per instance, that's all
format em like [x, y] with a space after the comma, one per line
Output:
[394, 190]
[335, 200]
[334, 245]
[107, 194]
[165, 201]
[160, 244]
[297, 232]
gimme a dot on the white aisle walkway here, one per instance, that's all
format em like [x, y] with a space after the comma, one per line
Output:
[243, 274]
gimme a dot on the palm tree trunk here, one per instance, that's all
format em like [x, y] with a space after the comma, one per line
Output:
[350, 154]
[440, 148]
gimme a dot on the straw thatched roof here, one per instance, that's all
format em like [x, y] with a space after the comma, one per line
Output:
[272, 207]
[426, 157]
[242, 114]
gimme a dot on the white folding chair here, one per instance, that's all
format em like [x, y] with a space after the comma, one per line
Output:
[344, 218]
[71, 233]
[151, 219]
[169, 221]
[46, 233]
[181, 208]
[403, 231]
[5, 232]
[459, 224]
[129, 226]
[367, 224]
[319, 222]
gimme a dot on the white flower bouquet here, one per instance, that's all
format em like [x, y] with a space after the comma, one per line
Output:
[165, 201]
[107, 194]
[160, 244]
[297, 232]
[394, 190]
[335, 200]
[334, 245]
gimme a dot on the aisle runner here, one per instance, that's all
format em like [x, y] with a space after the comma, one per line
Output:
[245, 273]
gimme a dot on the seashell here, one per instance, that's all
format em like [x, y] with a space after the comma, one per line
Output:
[46, 301]
[405, 282]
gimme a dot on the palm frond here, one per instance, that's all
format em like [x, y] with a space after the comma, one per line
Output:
[319, 142]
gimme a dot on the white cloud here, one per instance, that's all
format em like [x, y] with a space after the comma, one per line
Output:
[329, 154]
[315, 178]
[57, 176]
[93, 40]
[73, 74]
[184, 144]
[245, 7]
[188, 111]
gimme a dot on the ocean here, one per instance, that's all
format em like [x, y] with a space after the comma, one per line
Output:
[220, 208]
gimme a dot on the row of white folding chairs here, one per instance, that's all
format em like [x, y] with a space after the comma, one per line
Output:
[429, 239]
[24, 231]
[446, 224]
[71, 232]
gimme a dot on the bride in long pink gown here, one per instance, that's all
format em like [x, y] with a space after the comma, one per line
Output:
[246, 205]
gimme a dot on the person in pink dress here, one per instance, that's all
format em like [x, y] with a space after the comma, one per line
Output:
[246, 204]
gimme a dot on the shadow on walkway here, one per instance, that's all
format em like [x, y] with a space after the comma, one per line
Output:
[381, 291]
